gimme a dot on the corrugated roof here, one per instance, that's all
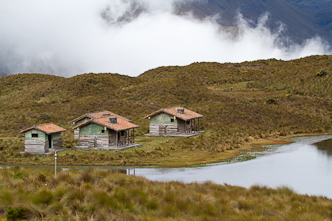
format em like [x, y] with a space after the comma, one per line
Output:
[49, 128]
[104, 121]
[187, 115]
[99, 114]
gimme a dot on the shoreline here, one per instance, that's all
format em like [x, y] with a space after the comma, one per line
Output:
[256, 145]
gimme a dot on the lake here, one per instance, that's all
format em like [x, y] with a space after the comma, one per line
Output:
[304, 166]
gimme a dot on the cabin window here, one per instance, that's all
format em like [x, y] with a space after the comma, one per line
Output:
[102, 131]
[34, 135]
[113, 120]
[188, 122]
[122, 133]
[172, 120]
[180, 111]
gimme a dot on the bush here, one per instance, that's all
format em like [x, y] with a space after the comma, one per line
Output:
[322, 73]
[15, 214]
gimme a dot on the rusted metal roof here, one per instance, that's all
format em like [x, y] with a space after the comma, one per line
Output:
[104, 121]
[49, 128]
[98, 114]
[174, 111]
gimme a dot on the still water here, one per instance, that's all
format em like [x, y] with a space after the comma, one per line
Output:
[305, 166]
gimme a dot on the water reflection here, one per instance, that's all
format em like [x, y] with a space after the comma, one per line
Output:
[325, 147]
[302, 166]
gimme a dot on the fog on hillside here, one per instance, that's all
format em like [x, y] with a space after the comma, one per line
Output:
[127, 37]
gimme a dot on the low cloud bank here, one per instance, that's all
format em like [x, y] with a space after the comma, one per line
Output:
[127, 37]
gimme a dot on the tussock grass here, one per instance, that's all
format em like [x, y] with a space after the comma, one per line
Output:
[266, 99]
[108, 195]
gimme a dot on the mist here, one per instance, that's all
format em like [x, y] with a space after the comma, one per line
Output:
[129, 37]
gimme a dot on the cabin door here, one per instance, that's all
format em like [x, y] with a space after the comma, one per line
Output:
[162, 130]
[49, 141]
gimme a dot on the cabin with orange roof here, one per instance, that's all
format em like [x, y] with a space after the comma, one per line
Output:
[104, 130]
[174, 122]
[42, 138]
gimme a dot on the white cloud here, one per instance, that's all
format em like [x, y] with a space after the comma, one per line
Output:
[126, 37]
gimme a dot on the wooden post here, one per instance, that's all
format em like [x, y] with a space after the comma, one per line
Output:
[194, 127]
[185, 127]
[116, 140]
[198, 124]
[55, 155]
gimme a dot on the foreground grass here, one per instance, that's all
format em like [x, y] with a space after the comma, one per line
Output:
[106, 195]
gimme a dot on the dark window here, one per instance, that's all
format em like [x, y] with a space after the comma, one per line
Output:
[102, 131]
[113, 120]
[181, 111]
[122, 133]
[172, 120]
[34, 135]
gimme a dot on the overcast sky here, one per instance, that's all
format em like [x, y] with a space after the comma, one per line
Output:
[128, 37]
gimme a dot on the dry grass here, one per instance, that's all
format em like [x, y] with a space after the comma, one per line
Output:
[106, 195]
[267, 99]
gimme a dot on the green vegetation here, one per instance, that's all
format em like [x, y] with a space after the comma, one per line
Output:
[241, 103]
[244, 106]
[106, 195]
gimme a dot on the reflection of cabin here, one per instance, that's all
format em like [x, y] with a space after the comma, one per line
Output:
[104, 130]
[174, 121]
[42, 138]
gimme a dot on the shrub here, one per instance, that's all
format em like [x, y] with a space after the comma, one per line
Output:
[15, 214]
[321, 73]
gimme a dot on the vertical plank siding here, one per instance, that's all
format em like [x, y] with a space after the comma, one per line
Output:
[57, 143]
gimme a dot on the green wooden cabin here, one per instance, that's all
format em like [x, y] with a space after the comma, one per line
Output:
[104, 130]
[42, 138]
[174, 121]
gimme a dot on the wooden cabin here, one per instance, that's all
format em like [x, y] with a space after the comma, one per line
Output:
[104, 130]
[175, 122]
[42, 138]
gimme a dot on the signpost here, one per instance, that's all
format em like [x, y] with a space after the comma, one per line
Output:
[55, 164]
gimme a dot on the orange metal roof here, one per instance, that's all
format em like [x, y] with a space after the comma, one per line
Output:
[99, 114]
[104, 121]
[49, 128]
[188, 114]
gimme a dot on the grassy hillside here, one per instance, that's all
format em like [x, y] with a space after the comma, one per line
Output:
[240, 102]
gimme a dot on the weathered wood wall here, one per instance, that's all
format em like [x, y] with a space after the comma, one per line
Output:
[181, 126]
[102, 142]
[57, 143]
[112, 140]
[87, 140]
[92, 141]
[36, 146]
[154, 129]
[76, 133]
[172, 129]
[122, 138]
[163, 129]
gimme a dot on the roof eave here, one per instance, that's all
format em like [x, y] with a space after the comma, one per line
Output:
[79, 118]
